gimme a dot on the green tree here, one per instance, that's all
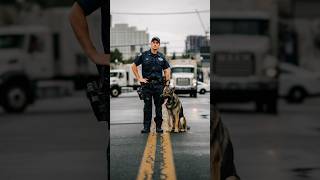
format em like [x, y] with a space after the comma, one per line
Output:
[116, 54]
[174, 55]
[129, 61]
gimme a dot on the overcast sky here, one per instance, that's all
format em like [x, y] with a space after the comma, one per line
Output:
[169, 28]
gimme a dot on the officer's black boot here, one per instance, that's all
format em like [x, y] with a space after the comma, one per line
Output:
[158, 126]
[159, 130]
[146, 127]
[145, 130]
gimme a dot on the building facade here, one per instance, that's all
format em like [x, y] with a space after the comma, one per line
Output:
[194, 43]
[128, 40]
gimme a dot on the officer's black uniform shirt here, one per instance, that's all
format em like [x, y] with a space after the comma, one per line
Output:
[152, 64]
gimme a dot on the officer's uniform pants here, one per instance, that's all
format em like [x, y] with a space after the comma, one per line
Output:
[152, 91]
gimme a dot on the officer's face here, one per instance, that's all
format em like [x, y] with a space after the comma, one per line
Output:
[155, 45]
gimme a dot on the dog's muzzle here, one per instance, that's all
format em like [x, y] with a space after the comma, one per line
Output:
[164, 98]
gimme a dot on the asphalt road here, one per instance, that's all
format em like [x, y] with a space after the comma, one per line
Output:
[282, 147]
[60, 139]
[55, 139]
[189, 152]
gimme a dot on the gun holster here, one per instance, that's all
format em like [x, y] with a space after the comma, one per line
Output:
[98, 97]
[140, 93]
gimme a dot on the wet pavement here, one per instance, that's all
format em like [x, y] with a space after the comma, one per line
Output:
[60, 139]
[279, 147]
[54, 139]
[190, 150]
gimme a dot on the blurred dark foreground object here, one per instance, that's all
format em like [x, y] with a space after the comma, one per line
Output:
[98, 97]
[221, 150]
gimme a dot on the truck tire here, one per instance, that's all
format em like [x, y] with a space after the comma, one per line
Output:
[15, 98]
[202, 91]
[296, 95]
[115, 91]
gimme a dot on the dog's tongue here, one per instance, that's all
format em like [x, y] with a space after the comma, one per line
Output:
[165, 101]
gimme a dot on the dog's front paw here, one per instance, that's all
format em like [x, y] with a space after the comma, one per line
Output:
[176, 130]
[182, 130]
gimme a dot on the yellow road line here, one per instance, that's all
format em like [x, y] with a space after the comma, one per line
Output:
[168, 171]
[147, 163]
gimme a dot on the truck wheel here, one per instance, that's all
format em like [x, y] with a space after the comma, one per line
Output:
[296, 95]
[115, 91]
[15, 98]
[202, 91]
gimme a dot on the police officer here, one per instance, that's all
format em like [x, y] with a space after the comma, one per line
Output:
[78, 21]
[153, 65]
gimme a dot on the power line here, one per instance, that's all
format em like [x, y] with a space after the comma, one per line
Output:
[161, 13]
[129, 45]
[202, 24]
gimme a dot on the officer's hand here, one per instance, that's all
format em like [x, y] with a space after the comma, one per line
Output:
[100, 58]
[143, 80]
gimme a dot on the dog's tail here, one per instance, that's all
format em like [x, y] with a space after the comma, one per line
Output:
[183, 118]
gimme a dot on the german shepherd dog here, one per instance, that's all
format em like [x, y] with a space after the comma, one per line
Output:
[221, 150]
[175, 110]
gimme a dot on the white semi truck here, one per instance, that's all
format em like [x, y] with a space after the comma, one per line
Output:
[244, 50]
[44, 50]
[184, 76]
[122, 77]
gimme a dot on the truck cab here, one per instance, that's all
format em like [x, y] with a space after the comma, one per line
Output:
[184, 76]
[118, 79]
[24, 59]
[244, 64]
[122, 77]
[43, 51]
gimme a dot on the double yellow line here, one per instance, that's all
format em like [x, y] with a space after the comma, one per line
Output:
[146, 169]
[168, 170]
[149, 155]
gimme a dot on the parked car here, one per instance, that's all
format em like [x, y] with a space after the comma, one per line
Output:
[297, 83]
[202, 87]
